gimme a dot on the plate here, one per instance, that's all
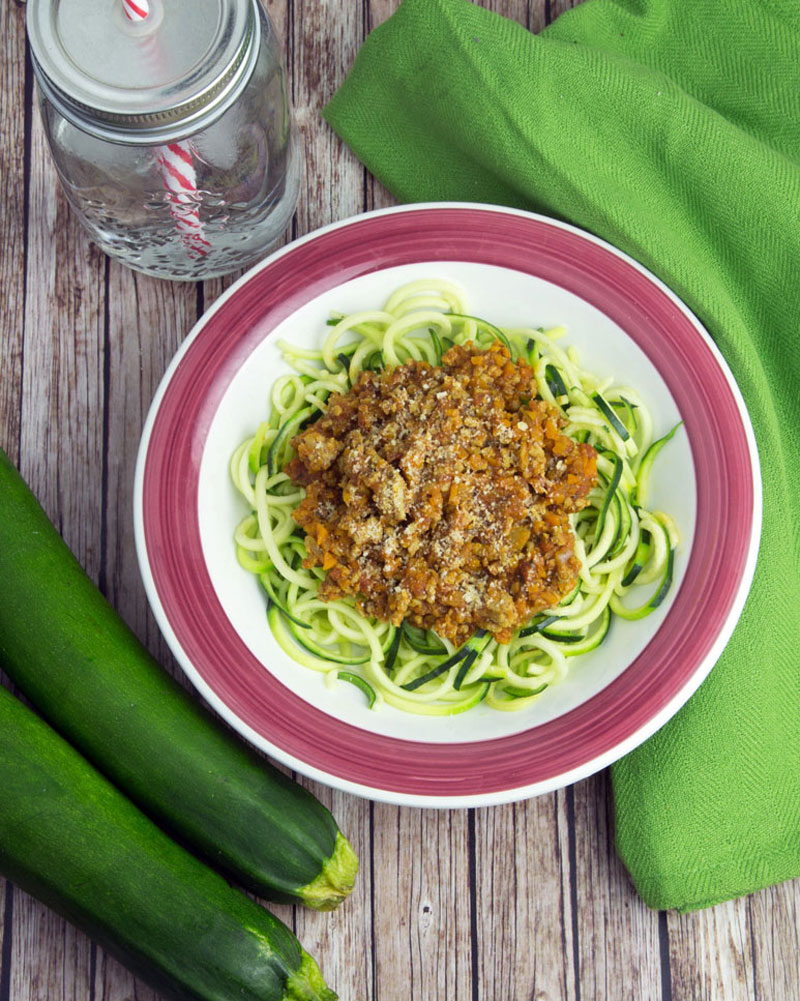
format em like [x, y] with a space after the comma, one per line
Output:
[518, 269]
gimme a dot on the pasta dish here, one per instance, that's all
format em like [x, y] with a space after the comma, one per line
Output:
[444, 512]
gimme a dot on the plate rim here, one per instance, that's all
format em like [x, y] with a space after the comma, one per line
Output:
[515, 793]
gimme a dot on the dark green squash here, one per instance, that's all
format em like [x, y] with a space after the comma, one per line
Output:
[70, 838]
[89, 676]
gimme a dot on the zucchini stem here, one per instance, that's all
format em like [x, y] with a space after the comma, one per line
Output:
[336, 879]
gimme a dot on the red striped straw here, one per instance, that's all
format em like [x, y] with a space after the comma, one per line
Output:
[136, 11]
[175, 159]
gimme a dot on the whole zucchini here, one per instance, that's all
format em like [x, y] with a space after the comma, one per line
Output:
[70, 838]
[84, 670]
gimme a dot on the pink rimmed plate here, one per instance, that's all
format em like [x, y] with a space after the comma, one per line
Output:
[518, 269]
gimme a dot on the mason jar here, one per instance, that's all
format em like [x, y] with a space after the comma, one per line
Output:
[170, 127]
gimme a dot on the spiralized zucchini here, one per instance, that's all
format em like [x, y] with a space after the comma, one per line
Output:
[621, 544]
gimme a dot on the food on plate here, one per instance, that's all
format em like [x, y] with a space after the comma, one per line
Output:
[82, 668]
[440, 495]
[443, 511]
[70, 838]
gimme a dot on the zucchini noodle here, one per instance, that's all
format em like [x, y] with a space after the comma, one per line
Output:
[622, 546]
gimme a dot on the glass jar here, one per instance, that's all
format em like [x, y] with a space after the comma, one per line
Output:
[173, 136]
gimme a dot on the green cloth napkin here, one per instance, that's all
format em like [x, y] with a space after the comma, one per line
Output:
[673, 131]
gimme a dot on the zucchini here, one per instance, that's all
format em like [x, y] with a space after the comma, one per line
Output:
[661, 592]
[496, 332]
[612, 489]
[440, 668]
[323, 652]
[466, 655]
[437, 344]
[664, 585]
[611, 417]
[628, 413]
[639, 558]
[269, 587]
[536, 627]
[391, 653]
[555, 381]
[84, 670]
[285, 433]
[475, 646]
[624, 523]
[589, 641]
[640, 491]
[359, 683]
[523, 693]
[70, 838]
[420, 640]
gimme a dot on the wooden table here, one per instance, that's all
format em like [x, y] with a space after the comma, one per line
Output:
[527, 901]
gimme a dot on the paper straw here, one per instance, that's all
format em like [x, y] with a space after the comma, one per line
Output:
[175, 160]
[136, 11]
[178, 175]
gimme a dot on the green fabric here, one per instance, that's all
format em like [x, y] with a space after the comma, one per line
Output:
[671, 130]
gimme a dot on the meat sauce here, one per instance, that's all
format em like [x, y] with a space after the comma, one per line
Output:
[441, 495]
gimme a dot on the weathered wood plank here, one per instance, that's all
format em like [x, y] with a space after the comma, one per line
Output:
[12, 225]
[12, 237]
[775, 935]
[326, 36]
[376, 12]
[50, 959]
[711, 954]
[62, 379]
[530, 14]
[523, 901]
[147, 320]
[113, 982]
[6, 920]
[618, 936]
[555, 7]
[422, 913]
[340, 940]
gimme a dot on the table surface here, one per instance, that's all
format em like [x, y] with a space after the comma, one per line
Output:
[526, 901]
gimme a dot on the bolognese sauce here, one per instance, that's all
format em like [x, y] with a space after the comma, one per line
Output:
[441, 495]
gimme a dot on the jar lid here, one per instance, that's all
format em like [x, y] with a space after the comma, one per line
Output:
[152, 81]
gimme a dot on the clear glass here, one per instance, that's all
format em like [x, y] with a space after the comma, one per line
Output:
[245, 172]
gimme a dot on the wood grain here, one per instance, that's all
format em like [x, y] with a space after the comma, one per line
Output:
[340, 941]
[619, 955]
[146, 321]
[711, 953]
[775, 940]
[524, 901]
[49, 958]
[422, 932]
[12, 222]
[61, 433]
[518, 902]
[326, 37]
